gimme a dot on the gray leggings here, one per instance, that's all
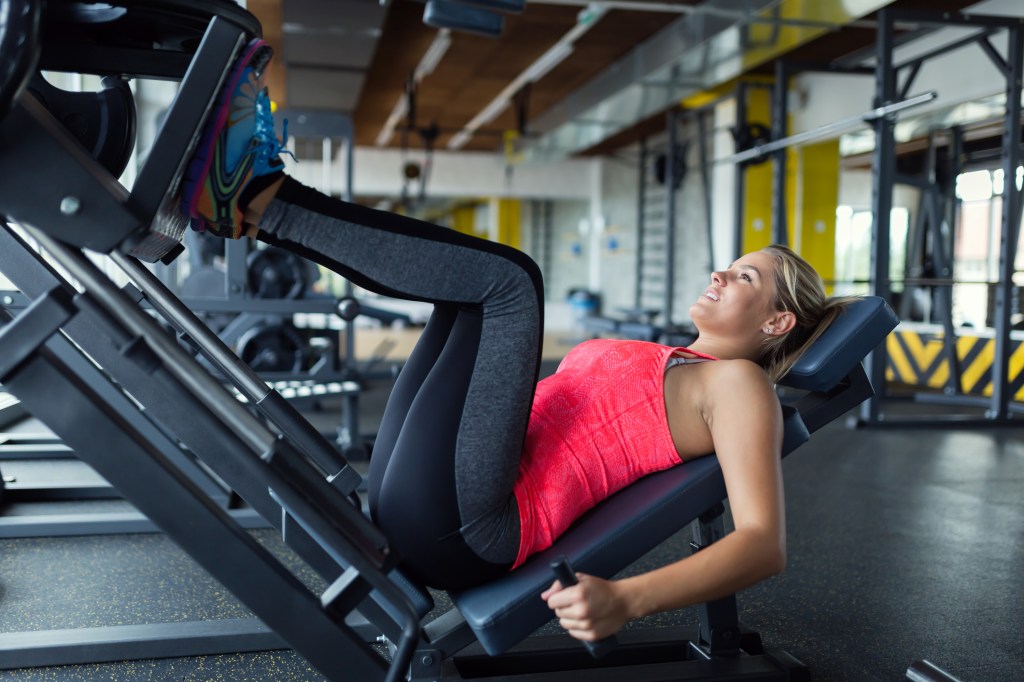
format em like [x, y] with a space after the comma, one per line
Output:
[447, 453]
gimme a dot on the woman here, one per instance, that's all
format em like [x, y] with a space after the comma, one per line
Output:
[470, 473]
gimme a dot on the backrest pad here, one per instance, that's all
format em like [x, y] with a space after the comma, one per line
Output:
[861, 327]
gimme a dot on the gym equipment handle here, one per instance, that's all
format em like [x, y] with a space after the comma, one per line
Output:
[565, 575]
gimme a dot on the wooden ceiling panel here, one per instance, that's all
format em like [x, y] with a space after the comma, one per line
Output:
[526, 39]
[476, 69]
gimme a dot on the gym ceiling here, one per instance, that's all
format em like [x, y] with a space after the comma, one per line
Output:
[561, 76]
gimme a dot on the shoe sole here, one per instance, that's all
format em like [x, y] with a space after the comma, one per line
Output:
[199, 167]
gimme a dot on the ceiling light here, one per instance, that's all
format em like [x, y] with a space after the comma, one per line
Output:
[399, 110]
[432, 57]
[459, 139]
[547, 61]
[489, 113]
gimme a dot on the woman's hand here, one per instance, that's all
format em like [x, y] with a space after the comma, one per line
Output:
[590, 610]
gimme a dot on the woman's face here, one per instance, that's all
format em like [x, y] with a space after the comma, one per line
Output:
[739, 299]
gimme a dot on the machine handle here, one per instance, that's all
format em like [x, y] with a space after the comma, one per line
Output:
[565, 575]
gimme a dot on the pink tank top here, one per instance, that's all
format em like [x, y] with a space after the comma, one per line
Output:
[597, 425]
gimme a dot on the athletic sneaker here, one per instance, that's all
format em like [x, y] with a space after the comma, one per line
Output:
[237, 147]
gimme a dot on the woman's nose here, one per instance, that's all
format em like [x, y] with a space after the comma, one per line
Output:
[718, 278]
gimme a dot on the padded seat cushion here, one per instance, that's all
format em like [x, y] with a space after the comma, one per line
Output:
[602, 542]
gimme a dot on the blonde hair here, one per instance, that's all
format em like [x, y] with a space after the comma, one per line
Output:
[799, 290]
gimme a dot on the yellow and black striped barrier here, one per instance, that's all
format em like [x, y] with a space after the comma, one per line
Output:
[916, 357]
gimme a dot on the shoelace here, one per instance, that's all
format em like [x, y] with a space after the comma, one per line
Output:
[268, 146]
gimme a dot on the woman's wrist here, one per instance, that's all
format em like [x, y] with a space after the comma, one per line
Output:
[633, 597]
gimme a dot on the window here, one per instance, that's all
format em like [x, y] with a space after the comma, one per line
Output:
[854, 244]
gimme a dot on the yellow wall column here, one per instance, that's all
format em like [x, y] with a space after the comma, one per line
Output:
[508, 216]
[812, 212]
[811, 191]
[757, 197]
[464, 219]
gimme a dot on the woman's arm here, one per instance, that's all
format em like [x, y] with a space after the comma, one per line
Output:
[745, 421]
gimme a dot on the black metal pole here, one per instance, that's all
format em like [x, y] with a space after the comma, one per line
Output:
[942, 255]
[1010, 229]
[349, 436]
[780, 113]
[739, 196]
[705, 181]
[670, 220]
[640, 220]
[882, 177]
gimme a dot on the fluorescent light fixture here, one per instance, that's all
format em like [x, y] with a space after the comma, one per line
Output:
[431, 58]
[534, 72]
[459, 139]
[546, 62]
[489, 113]
[399, 110]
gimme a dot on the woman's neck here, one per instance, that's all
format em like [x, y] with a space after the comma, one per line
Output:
[724, 349]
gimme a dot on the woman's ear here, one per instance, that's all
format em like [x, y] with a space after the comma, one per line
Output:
[780, 323]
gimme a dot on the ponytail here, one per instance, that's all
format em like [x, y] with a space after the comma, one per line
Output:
[799, 290]
[779, 360]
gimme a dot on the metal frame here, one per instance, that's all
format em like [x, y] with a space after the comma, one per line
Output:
[780, 123]
[639, 322]
[648, 277]
[95, 419]
[321, 524]
[349, 376]
[668, 302]
[674, 117]
[889, 89]
[641, 219]
[781, 140]
[739, 175]
[935, 209]
[94, 428]
[27, 270]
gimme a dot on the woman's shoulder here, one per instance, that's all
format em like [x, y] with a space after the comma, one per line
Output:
[734, 377]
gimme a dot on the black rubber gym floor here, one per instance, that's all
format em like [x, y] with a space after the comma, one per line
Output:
[903, 544]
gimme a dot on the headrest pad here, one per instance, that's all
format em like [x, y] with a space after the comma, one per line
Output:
[861, 327]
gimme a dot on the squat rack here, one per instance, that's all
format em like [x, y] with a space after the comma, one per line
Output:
[892, 86]
[892, 81]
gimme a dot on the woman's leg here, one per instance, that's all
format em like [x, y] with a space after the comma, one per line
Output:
[449, 453]
[452, 434]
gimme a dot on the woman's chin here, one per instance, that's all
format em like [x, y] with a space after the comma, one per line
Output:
[697, 308]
